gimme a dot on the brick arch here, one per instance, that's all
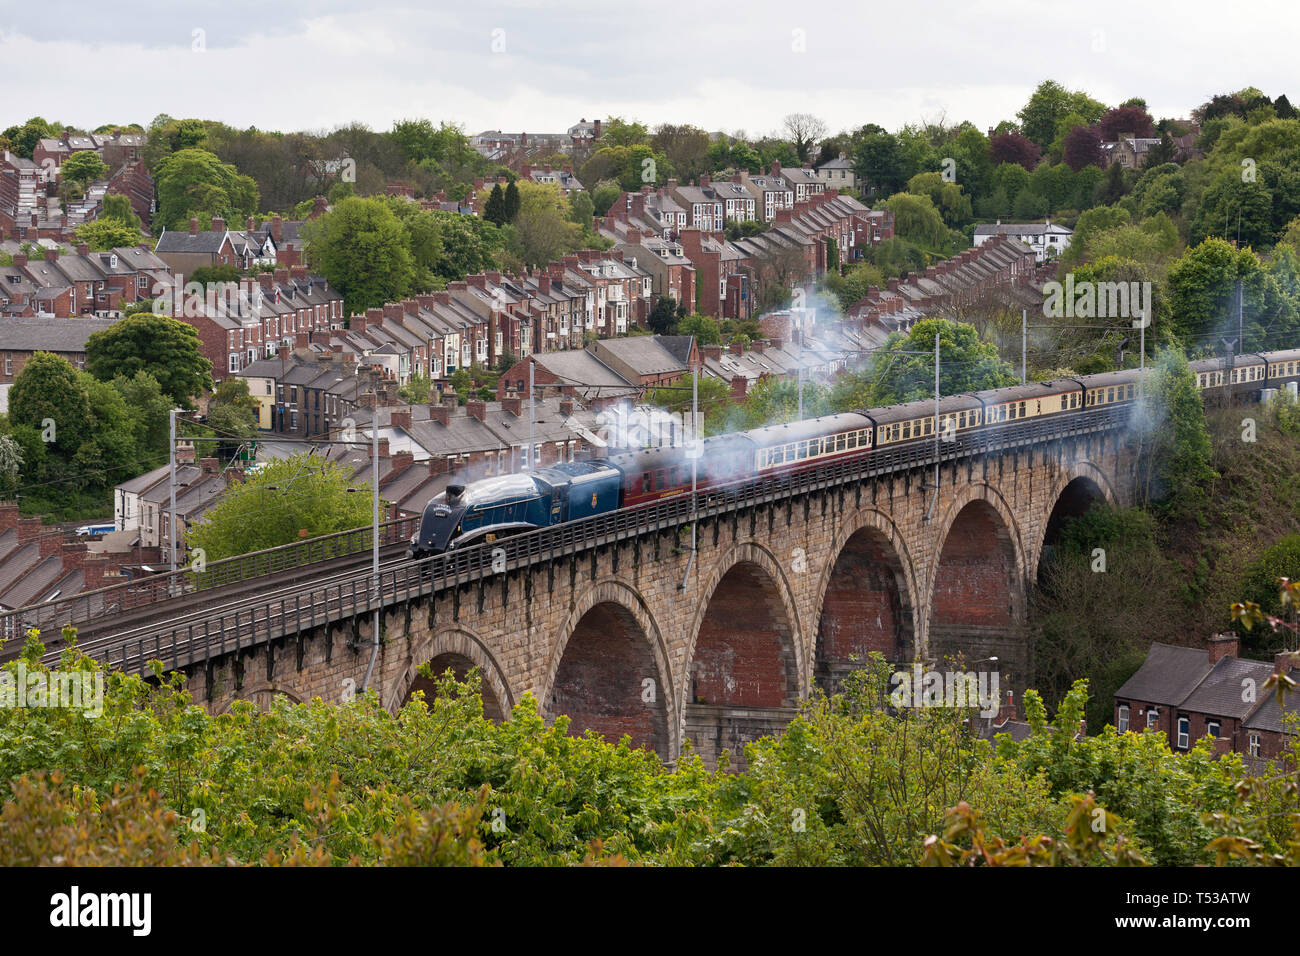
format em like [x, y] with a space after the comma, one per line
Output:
[750, 554]
[249, 693]
[612, 604]
[980, 516]
[457, 641]
[1067, 475]
[865, 543]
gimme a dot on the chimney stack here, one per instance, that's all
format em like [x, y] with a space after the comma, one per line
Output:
[1221, 646]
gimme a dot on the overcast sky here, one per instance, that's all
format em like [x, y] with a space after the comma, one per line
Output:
[540, 65]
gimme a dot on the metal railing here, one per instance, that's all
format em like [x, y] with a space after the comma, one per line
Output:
[218, 627]
[53, 616]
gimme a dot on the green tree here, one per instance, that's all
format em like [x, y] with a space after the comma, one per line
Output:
[194, 182]
[1050, 103]
[663, 318]
[917, 220]
[543, 230]
[303, 493]
[103, 234]
[118, 207]
[415, 390]
[1177, 465]
[705, 328]
[494, 210]
[49, 396]
[232, 415]
[512, 201]
[364, 250]
[166, 348]
[1204, 298]
[903, 371]
[83, 168]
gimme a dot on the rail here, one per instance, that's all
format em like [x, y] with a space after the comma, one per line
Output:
[136, 593]
[220, 627]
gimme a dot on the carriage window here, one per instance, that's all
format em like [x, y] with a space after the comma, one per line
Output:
[851, 440]
[645, 482]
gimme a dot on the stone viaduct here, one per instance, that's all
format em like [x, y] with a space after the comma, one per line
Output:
[642, 637]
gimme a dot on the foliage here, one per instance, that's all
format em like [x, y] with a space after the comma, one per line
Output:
[364, 250]
[166, 348]
[903, 370]
[195, 183]
[290, 496]
[103, 234]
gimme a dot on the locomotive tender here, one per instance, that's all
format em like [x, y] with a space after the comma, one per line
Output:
[492, 508]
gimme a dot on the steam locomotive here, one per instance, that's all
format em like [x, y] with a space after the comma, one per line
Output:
[492, 508]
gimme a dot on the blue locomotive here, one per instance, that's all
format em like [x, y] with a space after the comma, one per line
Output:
[493, 508]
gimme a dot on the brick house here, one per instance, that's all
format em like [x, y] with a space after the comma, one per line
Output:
[1189, 693]
[23, 337]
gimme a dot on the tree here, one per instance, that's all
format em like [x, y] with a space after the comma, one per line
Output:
[11, 462]
[118, 208]
[1082, 148]
[686, 146]
[290, 496]
[150, 412]
[878, 162]
[205, 275]
[1130, 119]
[1048, 104]
[917, 220]
[1014, 148]
[166, 348]
[494, 210]
[603, 195]
[615, 131]
[83, 168]
[664, 316]
[512, 201]
[1173, 433]
[232, 415]
[102, 234]
[363, 249]
[804, 130]
[469, 245]
[904, 369]
[705, 328]
[1203, 298]
[194, 182]
[543, 230]
[49, 396]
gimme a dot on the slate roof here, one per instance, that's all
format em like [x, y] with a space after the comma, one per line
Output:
[1167, 676]
[1221, 692]
[50, 335]
[182, 241]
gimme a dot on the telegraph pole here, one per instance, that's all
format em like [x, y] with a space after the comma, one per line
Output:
[374, 562]
[171, 482]
[532, 404]
[935, 497]
[1024, 346]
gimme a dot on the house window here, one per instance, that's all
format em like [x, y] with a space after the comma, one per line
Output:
[1123, 718]
[1184, 732]
[1212, 728]
[1152, 716]
[1254, 745]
